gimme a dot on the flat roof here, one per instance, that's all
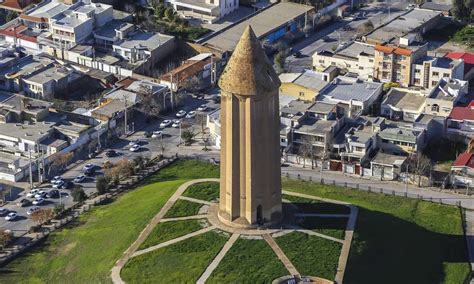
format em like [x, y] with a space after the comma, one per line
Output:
[53, 73]
[445, 89]
[388, 159]
[144, 39]
[311, 80]
[344, 88]
[322, 107]
[110, 108]
[396, 133]
[31, 131]
[297, 107]
[15, 103]
[315, 126]
[404, 99]
[262, 23]
[355, 49]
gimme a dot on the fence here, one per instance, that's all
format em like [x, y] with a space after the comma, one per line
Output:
[374, 189]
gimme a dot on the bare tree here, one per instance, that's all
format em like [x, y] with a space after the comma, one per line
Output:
[150, 104]
[419, 165]
[5, 238]
[42, 215]
[305, 149]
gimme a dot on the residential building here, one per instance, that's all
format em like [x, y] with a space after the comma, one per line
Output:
[357, 95]
[462, 170]
[47, 83]
[403, 104]
[213, 123]
[460, 123]
[393, 63]
[205, 10]
[386, 166]
[402, 139]
[445, 9]
[303, 86]
[355, 57]
[427, 71]
[468, 59]
[444, 96]
[17, 5]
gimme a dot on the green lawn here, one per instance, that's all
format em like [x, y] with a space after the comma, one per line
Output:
[183, 262]
[207, 191]
[86, 252]
[311, 255]
[334, 227]
[243, 265]
[170, 230]
[396, 237]
[183, 208]
[306, 205]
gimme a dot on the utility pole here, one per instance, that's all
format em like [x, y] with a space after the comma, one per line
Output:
[126, 122]
[171, 92]
[31, 169]
[406, 181]
[38, 164]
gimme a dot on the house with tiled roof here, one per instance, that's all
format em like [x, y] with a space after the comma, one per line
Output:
[462, 170]
[468, 62]
[17, 5]
[460, 122]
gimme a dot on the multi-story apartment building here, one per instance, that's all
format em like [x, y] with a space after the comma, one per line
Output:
[393, 63]
[207, 10]
[427, 71]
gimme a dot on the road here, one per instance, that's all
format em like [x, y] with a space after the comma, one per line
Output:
[339, 32]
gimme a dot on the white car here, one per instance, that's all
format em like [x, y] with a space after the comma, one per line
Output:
[58, 184]
[191, 114]
[11, 216]
[56, 179]
[3, 211]
[135, 142]
[135, 148]
[79, 178]
[202, 108]
[165, 123]
[32, 210]
[410, 6]
[40, 194]
[38, 201]
[181, 113]
[88, 167]
[176, 123]
[157, 134]
[32, 193]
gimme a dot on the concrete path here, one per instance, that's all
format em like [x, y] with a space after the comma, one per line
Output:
[313, 233]
[470, 237]
[115, 273]
[218, 259]
[173, 241]
[322, 215]
[196, 200]
[281, 255]
[346, 246]
[307, 196]
[193, 217]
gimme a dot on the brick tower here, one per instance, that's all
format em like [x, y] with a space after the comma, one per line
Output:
[250, 188]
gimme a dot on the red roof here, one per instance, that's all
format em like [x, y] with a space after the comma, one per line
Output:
[15, 5]
[464, 160]
[466, 56]
[462, 113]
[471, 104]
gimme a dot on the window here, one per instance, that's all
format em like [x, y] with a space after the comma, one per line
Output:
[359, 149]
[435, 74]
[301, 94]
[371, 60]
[348, 66]
[435, 108]
[417, 81]
[333, 63]
[417, 71]
[321, 61]
[404, 67]
[361, 67]
[434, 82]
[446, 75]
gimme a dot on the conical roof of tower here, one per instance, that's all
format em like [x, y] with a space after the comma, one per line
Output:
[249, 72]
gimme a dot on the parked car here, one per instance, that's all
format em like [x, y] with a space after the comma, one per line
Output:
[41, 194]
[3, 211]
[147, 134]
[88, 167]
[89, 172]
[135, 142]
[135, 148]
[11, 216]
[53, 193]
[165, 123]
[32, 210]
[181, 113]
[79, 178]
[157, 134]
[410, 6]
[216, 99]
[38, 201]
[23, 202]
[111, 153]
[58, 184]
[297, 54]
[32, 192]
[191, 114]
[176, 123]
[56, 179]
[202, 107]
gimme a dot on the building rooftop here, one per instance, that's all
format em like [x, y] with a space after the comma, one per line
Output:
[448, 90]
[388, 159]
[17, 103]
[31, 131]
[441, 62]
[198, 3]
[145, 86]
[404, 99]
[436, 6]
[48, 9]
[110, 108]
[296, 108]
[362, 135]
[52, 73]
[402, 25]
[315, 126]
[355, 49]
[466, 56]
[462, 113]
[288, 77]
[396, 133]
[130, 98]
[148, 40]
[109, 29]
[322, 107]
[464, 160]
[345, 89]
[264, 22]
[311, 80]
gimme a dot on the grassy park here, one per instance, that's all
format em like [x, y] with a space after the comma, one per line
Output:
[394, 237]
[183, 208]
[207, 191]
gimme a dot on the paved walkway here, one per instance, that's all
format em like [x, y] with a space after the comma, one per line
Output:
[313, 233]
[196, 200]
[281, 255]
[173, 241]
[218, 259]
[322, 215]
[193, 217]
[470, 237]
[115, 275]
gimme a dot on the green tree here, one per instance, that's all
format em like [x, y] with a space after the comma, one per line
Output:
[188, 137]
[58, 209]
[139, 162]
[463, 10]
[11, 16]
[169, 14]
[280, 61]
[102, 185]
[78, 194]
